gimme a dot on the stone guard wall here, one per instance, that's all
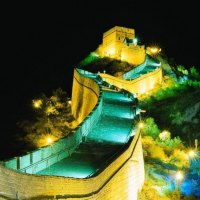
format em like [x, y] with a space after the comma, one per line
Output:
[119, 180]
[44, 157]
[85, 95]
[139, 85]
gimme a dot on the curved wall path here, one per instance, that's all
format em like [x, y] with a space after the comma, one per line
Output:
[108, 163]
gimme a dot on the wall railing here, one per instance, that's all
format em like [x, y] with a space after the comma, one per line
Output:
[44, 157]
[129, 74]
[82, 188]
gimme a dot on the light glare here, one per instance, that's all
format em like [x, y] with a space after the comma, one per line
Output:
[179, 175]
[191, 153]
[49, 140]
[37, 103]
[141, 125]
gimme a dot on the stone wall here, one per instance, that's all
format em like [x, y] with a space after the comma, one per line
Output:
[131, 73]
[139, 85]
[85, 95]
[44, 157]
[118, 31]
[133, 54]
[121, 179]
[114, 46]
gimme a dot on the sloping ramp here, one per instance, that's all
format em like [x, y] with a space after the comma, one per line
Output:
[107, 137]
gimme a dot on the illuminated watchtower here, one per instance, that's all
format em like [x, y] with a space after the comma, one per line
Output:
[113, 40]
[120, 43]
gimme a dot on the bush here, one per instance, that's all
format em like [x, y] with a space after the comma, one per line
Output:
[169, 145]
[112, 66]
[150, 128]
[152, 149]
[179, 158]
[148, 192]
[51, 118]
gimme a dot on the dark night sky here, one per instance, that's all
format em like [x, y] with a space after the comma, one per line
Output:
[41, 45]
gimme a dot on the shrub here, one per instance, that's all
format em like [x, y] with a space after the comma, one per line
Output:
[150, 128]
[179, 158]
[51, 118]
[148, 192]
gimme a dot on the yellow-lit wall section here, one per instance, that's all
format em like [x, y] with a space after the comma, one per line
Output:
[140, 85]
[85, 93]
[133, 54]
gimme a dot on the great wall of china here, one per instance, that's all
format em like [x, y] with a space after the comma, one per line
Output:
[102, 158]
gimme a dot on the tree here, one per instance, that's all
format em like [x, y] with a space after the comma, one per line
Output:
[150, 128]
[194, 73]
[52, 119]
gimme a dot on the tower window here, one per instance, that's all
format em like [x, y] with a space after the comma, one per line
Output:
[119, 38]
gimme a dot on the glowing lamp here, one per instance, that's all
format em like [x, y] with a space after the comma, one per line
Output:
[154, 50]
[179, 176]
[141, 125]
[191, 153]
[37, 103]
[135, 41]
[49, 140]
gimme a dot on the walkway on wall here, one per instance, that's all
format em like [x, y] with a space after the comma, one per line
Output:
[105, 139]
[150, 65]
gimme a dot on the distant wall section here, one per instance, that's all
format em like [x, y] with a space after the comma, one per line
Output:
[133, 54]
[120, 43]
[140, 85]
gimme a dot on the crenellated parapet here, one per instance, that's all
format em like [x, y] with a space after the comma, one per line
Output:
[120, 43]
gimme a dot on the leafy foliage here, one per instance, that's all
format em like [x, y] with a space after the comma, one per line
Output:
[148, 192]
[92, 57]
[111, 66]
[51, 119]
[165, 136]
[194, 73]
[150, 128]
[190, 77]
[179, 158]
[175, 107]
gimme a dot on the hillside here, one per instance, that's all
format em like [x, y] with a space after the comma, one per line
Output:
[175, 106]
[111, 66]
[179, 114]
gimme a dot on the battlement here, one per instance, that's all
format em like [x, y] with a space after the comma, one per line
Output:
[120, 43]
[122, 30]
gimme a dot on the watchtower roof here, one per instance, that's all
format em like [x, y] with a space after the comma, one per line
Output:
[119, 29]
